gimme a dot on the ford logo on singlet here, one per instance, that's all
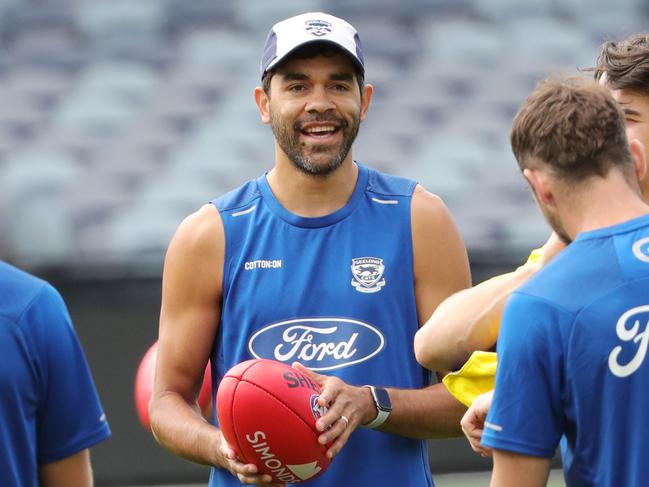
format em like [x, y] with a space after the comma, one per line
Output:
[318, 343]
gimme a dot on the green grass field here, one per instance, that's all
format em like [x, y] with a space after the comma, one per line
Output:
[481, 479]
[473, 479]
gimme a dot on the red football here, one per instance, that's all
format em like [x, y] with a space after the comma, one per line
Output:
[267, 411]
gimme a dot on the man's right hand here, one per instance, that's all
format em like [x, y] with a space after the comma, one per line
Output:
[473, 422]
[247, 473]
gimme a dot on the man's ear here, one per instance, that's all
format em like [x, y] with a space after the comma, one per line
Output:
[541, 184]
[366, 99]
[262, 100]
[638, 155]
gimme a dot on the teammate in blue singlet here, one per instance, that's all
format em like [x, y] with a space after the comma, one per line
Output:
[322, 261]
[49, 410]
[573, 342]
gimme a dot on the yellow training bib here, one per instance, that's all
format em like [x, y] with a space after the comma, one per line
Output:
[476, 377]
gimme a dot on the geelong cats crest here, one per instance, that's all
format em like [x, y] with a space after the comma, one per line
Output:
[368, 274]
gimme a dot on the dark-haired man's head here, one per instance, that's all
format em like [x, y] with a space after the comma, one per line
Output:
[568, 134]
[623, 67]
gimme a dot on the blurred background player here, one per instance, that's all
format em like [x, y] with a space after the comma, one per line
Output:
[49, 408]
[574, 338]
[470, 320]
[322, 242]
[623, 67]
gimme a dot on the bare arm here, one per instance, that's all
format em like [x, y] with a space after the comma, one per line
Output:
[470, 319]
[514, 470]
[440, 269]
[441, 264]
[73, 470]
[191, 296]
[467, 321]
[430, 413]
[189, 317]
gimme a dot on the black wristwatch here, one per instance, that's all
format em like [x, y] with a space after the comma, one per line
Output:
[383, 406]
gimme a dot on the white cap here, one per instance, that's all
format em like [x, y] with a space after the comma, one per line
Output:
[289, 34]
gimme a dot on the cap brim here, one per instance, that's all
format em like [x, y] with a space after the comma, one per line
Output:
[279, 60]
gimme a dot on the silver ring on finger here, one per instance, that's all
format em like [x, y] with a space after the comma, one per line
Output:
[345, 419]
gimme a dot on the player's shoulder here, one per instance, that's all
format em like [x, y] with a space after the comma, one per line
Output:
[572, 279]
[383, 184]
[19, 290]
[429, 209]
[199, 233]
[14, 278]
[427, 200]
[203, 230]
[238, 199]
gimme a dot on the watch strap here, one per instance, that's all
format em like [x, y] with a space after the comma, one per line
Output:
[382, 414]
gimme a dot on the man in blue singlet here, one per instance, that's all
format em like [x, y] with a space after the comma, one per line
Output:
[50, 414]
[573, 340]
[322, 261]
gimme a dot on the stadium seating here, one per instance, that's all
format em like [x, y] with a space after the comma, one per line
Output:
[118, 118]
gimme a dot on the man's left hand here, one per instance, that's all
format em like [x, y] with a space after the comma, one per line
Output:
[347, 408]
[473, 422]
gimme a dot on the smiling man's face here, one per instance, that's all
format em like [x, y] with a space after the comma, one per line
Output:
[315, 111]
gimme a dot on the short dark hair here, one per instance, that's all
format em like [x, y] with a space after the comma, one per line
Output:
[573, 126]
[309, 51]
[626, 63]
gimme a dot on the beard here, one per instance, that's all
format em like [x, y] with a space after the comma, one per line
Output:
[305, 158]
[553, 219]
[556, 224]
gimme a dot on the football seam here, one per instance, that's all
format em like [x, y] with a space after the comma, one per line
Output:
[234, 423]
[283, 404]
[240, 376]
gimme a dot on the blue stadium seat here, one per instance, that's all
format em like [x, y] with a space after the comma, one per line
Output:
[21, 18]
[506, 11]
[228, 50]
[465, 41]
[141, 234]
[32, 185]
[385, 38]
[20, 110]
[41, 232]
[93, 112]
[182, 16]
[129, 80]
[41, 84]
[548, 39]
[257, 16]
[120, 21]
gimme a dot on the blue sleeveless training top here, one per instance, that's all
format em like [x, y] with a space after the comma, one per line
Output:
[335, 293]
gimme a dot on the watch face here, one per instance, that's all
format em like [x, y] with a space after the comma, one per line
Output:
[383, 398]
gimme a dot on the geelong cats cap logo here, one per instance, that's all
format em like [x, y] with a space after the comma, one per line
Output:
[318, 27]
